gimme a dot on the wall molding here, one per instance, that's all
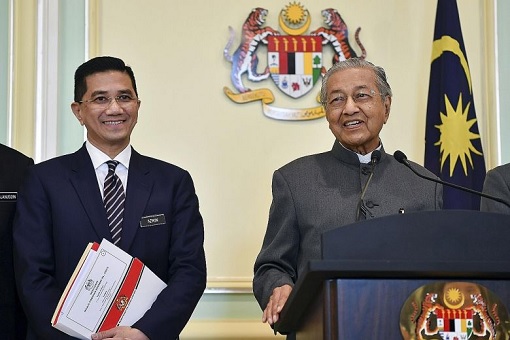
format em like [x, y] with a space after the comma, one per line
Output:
[46, 111]
[228, 329]
[229, 285]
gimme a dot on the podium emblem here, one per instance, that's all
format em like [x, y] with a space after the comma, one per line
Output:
[454, 311]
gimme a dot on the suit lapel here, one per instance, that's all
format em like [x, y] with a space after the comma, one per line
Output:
[138, 192]
[84, 181]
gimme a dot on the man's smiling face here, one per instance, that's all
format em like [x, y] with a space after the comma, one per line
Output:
[355, 109]
[108, 127]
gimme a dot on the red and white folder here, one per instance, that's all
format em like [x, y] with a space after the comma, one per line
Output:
[108, 288]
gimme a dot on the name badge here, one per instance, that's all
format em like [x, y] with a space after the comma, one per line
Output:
[8, 196]
[152, 220]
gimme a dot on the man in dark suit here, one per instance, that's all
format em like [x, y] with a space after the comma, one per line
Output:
[13, 166]
[320, 192]
[61, 210]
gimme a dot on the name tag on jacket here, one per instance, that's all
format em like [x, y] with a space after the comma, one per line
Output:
[152, 220]
[8, 196]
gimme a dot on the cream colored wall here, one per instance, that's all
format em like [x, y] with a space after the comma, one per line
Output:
[231, 150]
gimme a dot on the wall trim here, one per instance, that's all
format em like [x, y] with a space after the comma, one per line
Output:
[10, 75]
[229, 285]
[228, 329]
[46, 112]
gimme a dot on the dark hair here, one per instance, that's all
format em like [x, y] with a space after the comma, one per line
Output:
[96, 65]
[380, 76]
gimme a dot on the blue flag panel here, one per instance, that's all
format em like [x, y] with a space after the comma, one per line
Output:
[453, 148]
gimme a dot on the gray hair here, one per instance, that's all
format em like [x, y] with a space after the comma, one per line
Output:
[380, 76]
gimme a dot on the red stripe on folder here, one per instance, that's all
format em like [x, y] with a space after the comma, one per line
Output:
[94, 247]
[123, 296]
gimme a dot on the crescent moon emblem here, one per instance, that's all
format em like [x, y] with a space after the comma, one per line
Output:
[448, 44]
[454, 305]
[294, 31]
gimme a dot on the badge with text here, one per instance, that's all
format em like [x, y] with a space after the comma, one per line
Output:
[454, 311]
[294, 58]
[152, 220]
[10, 196]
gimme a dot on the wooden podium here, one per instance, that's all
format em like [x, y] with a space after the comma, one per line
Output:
[370, 268]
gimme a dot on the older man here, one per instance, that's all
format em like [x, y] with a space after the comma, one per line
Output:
[320, 192]
[497, 184]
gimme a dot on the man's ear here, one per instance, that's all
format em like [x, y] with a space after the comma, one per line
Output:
[387, 106]
[77, 112]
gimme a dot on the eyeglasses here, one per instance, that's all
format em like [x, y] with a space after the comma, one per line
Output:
[359, 97]
[102, 102]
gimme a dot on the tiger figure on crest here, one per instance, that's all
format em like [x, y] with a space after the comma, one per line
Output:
[244, 59]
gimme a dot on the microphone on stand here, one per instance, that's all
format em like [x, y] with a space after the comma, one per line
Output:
[401, 158]
[374, 159]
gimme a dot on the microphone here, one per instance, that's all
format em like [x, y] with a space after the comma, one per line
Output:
[401, 158]
[374, 159]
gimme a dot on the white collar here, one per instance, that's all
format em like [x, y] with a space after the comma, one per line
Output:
[98, 157]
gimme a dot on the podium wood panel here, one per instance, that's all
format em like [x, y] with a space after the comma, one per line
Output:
[370, 268]
[359, 309]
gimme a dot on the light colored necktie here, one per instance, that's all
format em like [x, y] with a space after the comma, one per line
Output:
[114, 198]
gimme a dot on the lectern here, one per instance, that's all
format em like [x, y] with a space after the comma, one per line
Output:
[370, 269]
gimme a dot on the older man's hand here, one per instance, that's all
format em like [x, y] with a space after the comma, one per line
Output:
[276, 302]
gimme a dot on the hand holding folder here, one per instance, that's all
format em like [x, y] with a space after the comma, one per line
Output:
[108, 288]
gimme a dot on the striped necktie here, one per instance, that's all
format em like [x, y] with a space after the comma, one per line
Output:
[114, 198]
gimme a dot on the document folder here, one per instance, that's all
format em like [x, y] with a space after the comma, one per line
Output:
[108, 288]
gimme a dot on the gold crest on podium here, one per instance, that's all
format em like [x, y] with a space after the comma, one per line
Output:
[454, 311]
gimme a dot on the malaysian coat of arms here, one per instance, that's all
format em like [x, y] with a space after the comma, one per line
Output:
[295, 61]
[454, 311]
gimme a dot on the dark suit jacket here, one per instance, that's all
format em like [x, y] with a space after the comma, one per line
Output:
[13, 166]
[60, 210]
[497, 184]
